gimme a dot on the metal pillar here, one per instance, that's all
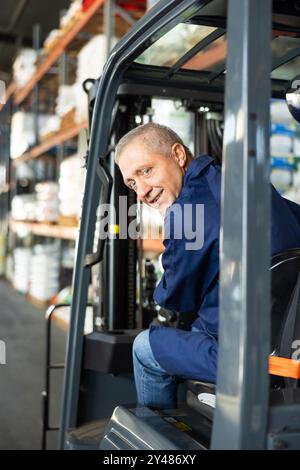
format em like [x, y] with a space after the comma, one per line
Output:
[242, 396]
[109, 24]
[63, 71]
[63, 80]
[36, 101]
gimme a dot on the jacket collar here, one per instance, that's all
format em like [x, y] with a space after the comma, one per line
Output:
[194, 169]
[197, 165]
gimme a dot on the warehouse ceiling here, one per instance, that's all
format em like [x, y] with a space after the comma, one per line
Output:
[17, 20]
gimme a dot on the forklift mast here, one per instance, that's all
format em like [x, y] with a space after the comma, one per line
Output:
[243, 93]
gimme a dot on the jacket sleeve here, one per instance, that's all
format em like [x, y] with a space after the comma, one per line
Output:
[188, 273]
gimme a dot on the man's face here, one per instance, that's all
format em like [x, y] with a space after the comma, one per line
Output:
[156, 178]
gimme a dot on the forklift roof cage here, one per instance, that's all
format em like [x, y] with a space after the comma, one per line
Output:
[242, 33]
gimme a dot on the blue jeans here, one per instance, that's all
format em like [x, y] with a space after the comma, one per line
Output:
[155, 387]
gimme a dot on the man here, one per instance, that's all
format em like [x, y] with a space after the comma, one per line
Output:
[161, 170]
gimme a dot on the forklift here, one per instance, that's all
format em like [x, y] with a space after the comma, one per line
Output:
[238, 54]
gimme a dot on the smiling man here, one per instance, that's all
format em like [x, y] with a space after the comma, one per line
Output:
[157, 165]
[157, 181]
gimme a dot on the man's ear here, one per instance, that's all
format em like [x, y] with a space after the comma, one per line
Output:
[179, 153]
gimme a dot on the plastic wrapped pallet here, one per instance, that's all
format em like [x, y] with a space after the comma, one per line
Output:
[23, 133]
[282, 140]
[51, 125]
[24, 66]
[23, 207]
[280, 113]
[47, 201]
[91, 60]
[70, 16]
[21, 275]
[44, 272]
[282, 147]
[166, 112]
[65, 99]
[73, 10]
[51, 40]
[71, 182]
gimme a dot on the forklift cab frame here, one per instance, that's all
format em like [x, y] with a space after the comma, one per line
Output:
[242, 384]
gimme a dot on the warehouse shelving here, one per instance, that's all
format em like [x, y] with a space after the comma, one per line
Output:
[58, 138]
[97, 18]
[65, 232]
[62, 44]
[69, 232]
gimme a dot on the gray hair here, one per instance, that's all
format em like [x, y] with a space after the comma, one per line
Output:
[155, 136]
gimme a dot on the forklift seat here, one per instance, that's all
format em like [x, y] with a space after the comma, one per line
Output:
[285, 328]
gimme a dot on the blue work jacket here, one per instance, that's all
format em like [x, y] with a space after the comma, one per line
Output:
[190, 281]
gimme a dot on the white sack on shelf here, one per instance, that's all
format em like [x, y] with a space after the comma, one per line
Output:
[91, 60]
[71, 183]
[21, 273]
[44, 271]
[22, 132]
[23, 207]
[66, 99]
[281, 144]
[280, 113]
[53, 35]
[47, 201]
[51, 124]
[75, 6]
[24, 66]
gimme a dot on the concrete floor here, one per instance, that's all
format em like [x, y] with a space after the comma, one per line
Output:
[22, 328]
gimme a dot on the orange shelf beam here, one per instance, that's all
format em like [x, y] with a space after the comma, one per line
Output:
[45, 230]
[22, 93]
[56, 139]
[70, 232]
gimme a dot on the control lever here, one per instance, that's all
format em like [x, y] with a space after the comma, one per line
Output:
[106, 180]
